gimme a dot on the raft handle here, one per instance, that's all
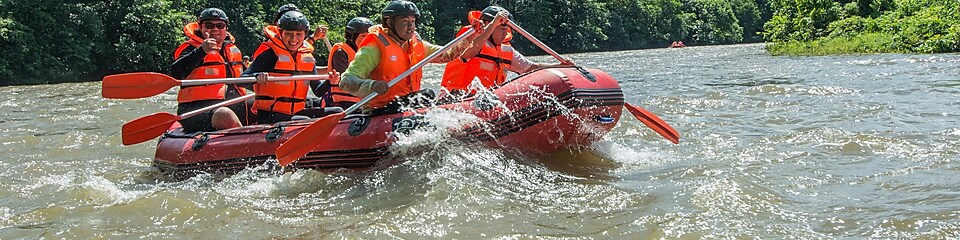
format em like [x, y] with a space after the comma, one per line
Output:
[357, 127]
[275, 133]
[605, 119]
[198, 143]
[587, 74]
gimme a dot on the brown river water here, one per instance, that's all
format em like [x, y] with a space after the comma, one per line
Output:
[859, 146]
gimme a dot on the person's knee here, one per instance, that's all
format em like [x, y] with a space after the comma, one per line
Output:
[224, 118]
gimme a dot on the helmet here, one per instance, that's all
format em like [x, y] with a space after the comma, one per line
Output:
[359, 25]
[213, 14]
[293, 21]
[283, 9]
[490, 12]
[400, 8]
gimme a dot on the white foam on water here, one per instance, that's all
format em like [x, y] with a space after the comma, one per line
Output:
[952, 132]
[6, 215]
[632, 157]
[88, 188]
[442, 123]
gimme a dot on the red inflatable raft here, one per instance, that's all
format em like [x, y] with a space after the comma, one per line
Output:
[536, 113]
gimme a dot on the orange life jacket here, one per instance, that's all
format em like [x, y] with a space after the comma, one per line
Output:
[288, 97]
[339, 95]
[489, 65]
[394, 60]
[214, 66]
[267, 31]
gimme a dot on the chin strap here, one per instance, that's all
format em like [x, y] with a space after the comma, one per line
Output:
[395, 35]
[392, 33]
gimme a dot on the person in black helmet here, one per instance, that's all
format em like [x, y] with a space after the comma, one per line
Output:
[490, 56]
[318, 87]
[286, 54]
[271, 27]
[341, 54]
[209, 52]
[320, 33]
[387, 52]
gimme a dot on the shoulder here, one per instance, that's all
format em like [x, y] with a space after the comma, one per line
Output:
[266, 55]
[368, 50]
[340, 53]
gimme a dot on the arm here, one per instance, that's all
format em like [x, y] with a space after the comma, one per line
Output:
[355, 79]
[320, 89]
[479, 41]
[522, 65]
[450, 55]
[263, 63]
[190, 58]
[320, 33]
[340, 61]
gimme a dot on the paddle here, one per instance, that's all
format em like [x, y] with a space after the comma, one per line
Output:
[641, 114]
[327, 42]
[654, 123]
[151, 126]
[312, 136]
[147, 84]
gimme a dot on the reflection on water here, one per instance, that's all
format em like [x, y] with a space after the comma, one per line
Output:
[861, 146]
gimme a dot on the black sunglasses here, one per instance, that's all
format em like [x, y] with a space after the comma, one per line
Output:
[217, 26]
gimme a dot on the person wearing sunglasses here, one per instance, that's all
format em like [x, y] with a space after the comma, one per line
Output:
[287, 54]
[491, 55]
[209, 52]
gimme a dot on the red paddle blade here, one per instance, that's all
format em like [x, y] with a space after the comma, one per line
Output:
[136, 85]
[307, 139]
[147, 127]
[654, 123]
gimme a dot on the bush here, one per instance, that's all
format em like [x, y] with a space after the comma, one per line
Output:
[921, 26]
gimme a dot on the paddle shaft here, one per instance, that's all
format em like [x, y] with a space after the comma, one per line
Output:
[410, 71]
[200, 82]
[215, 106]
[327, 42]
[535, 40]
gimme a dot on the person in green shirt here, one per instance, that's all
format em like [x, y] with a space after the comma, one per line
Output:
[389, 50]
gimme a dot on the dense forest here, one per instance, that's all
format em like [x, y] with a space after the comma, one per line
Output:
[50, 41]
[815, 27]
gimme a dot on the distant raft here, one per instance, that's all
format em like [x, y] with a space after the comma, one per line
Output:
[540, 112]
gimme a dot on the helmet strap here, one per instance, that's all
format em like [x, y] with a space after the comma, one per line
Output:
[393, 31]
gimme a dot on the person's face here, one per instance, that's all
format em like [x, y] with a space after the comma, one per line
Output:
[404, 26]
[360, 38]
[216, 29]
[292, 39]
[500, 33]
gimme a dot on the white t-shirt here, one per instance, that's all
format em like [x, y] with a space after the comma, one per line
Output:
[520, 64]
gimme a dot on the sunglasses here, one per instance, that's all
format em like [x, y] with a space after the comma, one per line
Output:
[217, 26]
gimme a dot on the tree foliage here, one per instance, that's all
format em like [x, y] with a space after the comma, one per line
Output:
[65, 41]
[922, 26]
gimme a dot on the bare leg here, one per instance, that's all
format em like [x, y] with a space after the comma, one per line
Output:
[224, 118]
